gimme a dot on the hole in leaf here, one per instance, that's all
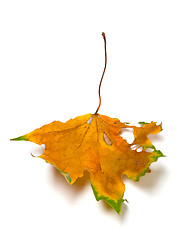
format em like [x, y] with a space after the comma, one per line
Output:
[139, 149]
[149, 150]
[134, 147]
[128, 135]
[89, 120]
[107, 139]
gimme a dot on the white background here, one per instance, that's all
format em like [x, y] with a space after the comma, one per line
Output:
[51, 61]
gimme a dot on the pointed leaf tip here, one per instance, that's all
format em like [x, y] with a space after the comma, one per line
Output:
[21, 138]
[115, 204]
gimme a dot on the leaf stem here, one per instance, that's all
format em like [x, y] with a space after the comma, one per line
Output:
[104, 37]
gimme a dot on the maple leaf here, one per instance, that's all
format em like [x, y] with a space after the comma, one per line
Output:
[92, 143]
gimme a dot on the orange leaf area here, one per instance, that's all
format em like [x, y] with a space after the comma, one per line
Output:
[92, 143]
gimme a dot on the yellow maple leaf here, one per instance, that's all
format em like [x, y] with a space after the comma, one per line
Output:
[92, 143]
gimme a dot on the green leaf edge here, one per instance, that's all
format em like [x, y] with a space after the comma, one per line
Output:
[66, 175]
[154, 159]
[21, 138]
[115, 205]
[143, 123]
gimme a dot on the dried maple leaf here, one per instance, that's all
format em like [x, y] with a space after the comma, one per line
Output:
[92, 143]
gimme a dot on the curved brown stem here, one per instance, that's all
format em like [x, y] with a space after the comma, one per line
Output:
[104, 37]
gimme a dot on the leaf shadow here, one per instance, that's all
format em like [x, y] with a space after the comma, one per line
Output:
[150, 182]
[72, 192]
[107, 209]
[155, 138]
